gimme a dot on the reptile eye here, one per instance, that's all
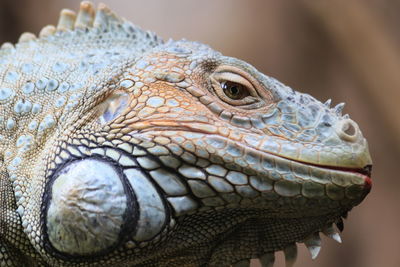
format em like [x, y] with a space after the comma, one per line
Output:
[234, 90]
[235, 87]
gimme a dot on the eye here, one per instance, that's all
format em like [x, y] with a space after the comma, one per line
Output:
[234, 90]
[234, 87]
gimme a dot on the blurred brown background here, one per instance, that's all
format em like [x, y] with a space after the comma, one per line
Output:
[345, 50]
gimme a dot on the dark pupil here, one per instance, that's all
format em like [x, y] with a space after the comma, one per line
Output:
[233, 90]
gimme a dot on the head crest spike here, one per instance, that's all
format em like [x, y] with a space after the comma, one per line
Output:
[104, 16]
[47, 30]
[328, 103]
[339, 108]
[290, 255]
[26, 37]
[66, 20]
[85, 15]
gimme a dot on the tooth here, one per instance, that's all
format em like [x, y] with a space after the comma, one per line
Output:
[340, 225]
[338, 108]
[313, 243]
[267, 260]
[328, 103]
[242, 263]
[329, 231]
[290, 255]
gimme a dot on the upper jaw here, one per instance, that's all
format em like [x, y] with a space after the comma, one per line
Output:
[275, 176]
[294, 177]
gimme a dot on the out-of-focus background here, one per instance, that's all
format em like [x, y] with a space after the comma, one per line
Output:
[345, 50]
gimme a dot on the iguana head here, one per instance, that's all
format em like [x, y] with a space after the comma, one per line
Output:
[186, 157]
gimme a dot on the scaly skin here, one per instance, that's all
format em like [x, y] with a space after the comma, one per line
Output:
[118, 149]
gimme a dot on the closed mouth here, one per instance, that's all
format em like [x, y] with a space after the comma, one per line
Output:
[364, 172]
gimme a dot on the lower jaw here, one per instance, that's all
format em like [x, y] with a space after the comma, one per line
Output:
[261, 238]
[251, 238]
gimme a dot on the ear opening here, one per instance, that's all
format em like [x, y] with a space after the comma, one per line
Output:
[113, 107]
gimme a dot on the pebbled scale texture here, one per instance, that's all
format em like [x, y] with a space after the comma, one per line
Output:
[119, 149]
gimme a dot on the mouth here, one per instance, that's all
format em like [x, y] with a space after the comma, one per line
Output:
[365, 173]
[362, 175]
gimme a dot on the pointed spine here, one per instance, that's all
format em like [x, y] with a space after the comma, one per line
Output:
[339, 108]
[328, 103]
[268, 259]
[330, 232]
[85, 16]
[313, 244]
[290, 255]
[104, 16]
[7, 45]
[66, 20]
[47, 30]
[26, 37]
[340, 225]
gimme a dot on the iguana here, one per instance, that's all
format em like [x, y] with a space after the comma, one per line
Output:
[120, 149]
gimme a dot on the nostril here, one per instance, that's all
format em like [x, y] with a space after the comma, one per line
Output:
[347, 130]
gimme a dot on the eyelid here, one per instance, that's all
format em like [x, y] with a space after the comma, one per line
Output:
[258, 96]
[233, 77]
